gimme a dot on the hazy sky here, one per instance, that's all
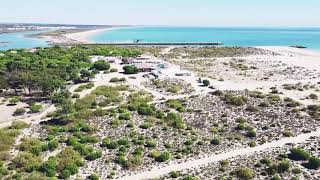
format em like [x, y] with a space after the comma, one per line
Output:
[164, 12]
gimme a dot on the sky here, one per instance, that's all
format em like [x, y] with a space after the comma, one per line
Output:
[297, 13]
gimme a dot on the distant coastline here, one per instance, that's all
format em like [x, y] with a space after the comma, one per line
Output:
[74, 36]
[84, 36]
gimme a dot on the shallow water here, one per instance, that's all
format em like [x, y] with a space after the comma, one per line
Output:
[309, 37]
[20, 40]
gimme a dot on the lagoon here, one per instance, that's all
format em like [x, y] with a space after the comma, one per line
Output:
[21, 40]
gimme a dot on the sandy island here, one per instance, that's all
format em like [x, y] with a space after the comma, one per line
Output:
[78, 36]
[84, 36]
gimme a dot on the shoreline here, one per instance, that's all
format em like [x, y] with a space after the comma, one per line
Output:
[84, 36]
[73, 37]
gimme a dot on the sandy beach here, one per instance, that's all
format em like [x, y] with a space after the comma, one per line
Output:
[78, 36]
[84, 36]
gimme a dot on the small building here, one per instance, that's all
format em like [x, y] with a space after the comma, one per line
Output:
[183, 74]
[145, 67]
[143, 58]
[127, 61]
[112, 59]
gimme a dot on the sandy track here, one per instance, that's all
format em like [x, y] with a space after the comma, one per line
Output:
[159, 171]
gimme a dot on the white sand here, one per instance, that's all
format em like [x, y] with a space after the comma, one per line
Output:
[84, 36]
[299, 57]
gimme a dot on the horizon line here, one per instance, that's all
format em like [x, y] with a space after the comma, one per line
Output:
[204, 26]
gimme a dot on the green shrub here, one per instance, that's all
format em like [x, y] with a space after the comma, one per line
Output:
[174, 103]
[35, 108]
[113, 70]
[67, 156]
[252, 144]
[283, 166]
[276, 177]
[107, 142]
[19, 112]
[31, 145]
[145, 126]
[266, 161]
[188, 142]
[65, 174]
[52, 145]
[252, 133]
[287, 133]
[234, 100]
[3, 171]
[145, 109]
[252, 108]
[174, 174]
[175, 121]
[76, 96]
[130, 69]
[215, 141]
[164, 156]
[85, 103]
[84, 87]
[174, 88]
[123, 141]
[125, 116]
[19, 125]
[49, 167]
[245, 173]
[206, 82]
[14, 100]
[26, 162]
[60, 97]
[155, 154]
[151, 144]
[314, 163]
[94, 155]
[299, 154]
[101, 65]
[73, 168]
[88, 139]
[94, 177]
[115, 80]
[189, 177]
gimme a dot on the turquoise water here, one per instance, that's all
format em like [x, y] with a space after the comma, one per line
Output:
[309, 37]
[20, 40]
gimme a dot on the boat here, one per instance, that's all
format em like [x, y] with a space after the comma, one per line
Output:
[137, 40]
[299, 46]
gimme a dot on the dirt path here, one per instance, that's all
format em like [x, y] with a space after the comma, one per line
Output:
[191, 164]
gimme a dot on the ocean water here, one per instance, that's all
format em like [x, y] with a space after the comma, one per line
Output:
[20, 40]
[309, 37]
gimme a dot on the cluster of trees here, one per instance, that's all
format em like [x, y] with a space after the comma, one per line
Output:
[48, 69]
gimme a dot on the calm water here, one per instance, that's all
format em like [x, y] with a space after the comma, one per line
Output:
[309, 37]
[20, 40]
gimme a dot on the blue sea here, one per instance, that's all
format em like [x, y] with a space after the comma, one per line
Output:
[309, 37]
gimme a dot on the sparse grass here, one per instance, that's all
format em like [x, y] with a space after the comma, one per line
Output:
[84, 87]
